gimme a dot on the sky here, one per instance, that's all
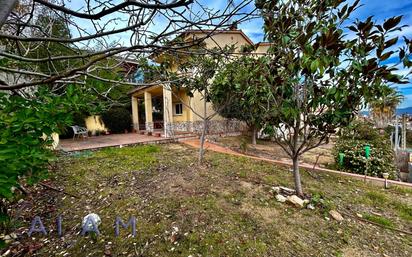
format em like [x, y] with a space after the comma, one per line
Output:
[379, 9]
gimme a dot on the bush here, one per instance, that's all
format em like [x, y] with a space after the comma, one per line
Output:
[24, 152]
[117, 119]
[352, 142]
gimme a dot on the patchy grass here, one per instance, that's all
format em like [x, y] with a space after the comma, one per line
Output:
[404, 210]
[224, 208]
[376, 198]
[378, 219]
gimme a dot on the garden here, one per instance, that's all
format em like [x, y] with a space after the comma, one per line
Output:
[300, 94]
[226, 208]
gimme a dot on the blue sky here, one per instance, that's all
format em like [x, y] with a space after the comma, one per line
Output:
[379, 9]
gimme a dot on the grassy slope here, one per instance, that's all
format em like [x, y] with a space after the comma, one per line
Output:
[222, 209]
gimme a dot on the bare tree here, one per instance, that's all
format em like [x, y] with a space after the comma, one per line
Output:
[98, 30]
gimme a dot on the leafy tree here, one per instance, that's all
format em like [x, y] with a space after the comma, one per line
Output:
[26, 134]
[108, 86]
[320, 77]
[195, 74]
[243, 82]
[384, 107]
[58, 28]
[117, 119]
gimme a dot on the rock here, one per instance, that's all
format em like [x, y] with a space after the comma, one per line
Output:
[287, 190]
[359, 215]
[336, 215]
[376, 213]
[280, 198]
[295, 200]
[276, 189]
[310, 206]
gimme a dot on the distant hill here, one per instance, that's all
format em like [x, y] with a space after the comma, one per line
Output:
[407, 110]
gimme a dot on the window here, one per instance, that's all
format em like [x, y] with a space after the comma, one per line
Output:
[178, 109]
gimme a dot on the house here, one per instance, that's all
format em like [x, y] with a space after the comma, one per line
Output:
[168, 112]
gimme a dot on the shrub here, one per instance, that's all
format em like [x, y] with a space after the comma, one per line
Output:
[24, 152]
[117, 119]
[352, 142]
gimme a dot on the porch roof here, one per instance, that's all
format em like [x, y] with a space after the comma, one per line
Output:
[141, 90]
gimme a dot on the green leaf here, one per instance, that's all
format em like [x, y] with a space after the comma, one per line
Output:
[392, 22]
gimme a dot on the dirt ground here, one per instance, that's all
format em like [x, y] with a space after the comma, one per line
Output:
[224, 208]
[321, 155]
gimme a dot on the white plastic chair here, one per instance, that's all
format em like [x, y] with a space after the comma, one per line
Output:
[79, 131]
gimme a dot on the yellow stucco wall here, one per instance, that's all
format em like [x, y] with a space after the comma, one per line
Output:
[226, 39]
[197, 104]
[94, 123]
[262, 49]
[181, 97]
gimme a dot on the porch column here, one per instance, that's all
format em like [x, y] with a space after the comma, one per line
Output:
[148, 111]
[167, 112]
[135, 113]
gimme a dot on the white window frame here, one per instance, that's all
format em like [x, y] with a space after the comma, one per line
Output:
[174, 109]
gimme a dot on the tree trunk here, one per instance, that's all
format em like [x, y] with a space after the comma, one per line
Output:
[203, 136]
[202, 142]
[6, 6]
[254, 134]
[296, 174]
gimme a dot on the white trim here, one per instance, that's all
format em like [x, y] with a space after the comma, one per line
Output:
[174, 109]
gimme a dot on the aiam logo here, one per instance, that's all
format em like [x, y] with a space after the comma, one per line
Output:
[90, 224]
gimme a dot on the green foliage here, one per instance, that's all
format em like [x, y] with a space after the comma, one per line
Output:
[319, 77]
[404, 210]
[58, 29]
[201, 68]
[108, 90]
[25, 137]
[240, 90]
[351, 143]
[117, 119]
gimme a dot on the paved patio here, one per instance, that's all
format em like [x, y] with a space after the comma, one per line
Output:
[108, 141]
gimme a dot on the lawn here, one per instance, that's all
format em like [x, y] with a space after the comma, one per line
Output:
[225, 208]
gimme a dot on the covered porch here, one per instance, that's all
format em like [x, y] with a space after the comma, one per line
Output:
[156, 109]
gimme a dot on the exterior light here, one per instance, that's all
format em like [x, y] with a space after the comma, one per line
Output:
[386, 176]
